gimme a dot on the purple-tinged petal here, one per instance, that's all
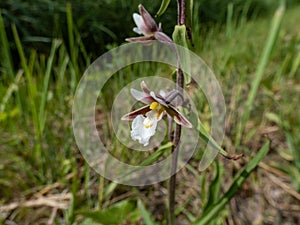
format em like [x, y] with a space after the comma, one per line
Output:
[148, 20]
[174, 95]
[140, 111]
[147, 100]
[147, 40]
[145, 88]
[141, 96]
[178, 117]
[159, 99]
[138, 95]
[162, 37]
[169, 95]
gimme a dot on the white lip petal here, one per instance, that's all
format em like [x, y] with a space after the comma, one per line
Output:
[140, 133]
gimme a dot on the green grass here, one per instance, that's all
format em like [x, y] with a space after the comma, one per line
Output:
[258, 72]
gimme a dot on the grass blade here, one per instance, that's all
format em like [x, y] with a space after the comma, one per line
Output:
[295, 66]
[145, 214]
[73, 48]
[203, 134]
[163, 7]
[10, 90]
[215, 187]
[7, 60]
[30, 82]
[229, 20]
[119, 213]
[295, 151]
[42, 118]
[214, 209]
[273, 35]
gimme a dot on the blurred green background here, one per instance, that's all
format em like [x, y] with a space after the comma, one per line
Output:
[107, 22]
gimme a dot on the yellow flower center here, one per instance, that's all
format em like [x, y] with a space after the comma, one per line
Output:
[154, 105]
[158, 107]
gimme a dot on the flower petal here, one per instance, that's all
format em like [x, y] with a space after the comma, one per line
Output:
[154, 115]
[140, 133]
[158, 98]
[139, 23]
[178, 117]
[162, 37]
[159, 27]
[146, 40]
[141, 96]
[134, 114]
[148, 20]
[174, 97]
[137, 30]
[138, 95]
[145, 88]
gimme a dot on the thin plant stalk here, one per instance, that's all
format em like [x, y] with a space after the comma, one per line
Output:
[177, 133]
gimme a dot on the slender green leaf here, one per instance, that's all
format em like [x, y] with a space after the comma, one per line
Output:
[152, 158]
[116, 214]
[71, 34]
[29, 79]
[229, 20]
[42, 115]
[6, 60]
[295, 66]
[214, 209]
[209, 139]
[145, 214]
[10, 90]
[269, 46]
[163, 7]
[214, 188]
[82, 47]
[294, 150]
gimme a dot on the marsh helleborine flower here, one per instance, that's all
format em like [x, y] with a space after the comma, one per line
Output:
[146, 118]
[147, 27]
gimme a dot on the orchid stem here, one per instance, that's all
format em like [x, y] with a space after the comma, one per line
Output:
[182, 13]
[175, 151]
[172, 181]
[176, 140]
[179, 11]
